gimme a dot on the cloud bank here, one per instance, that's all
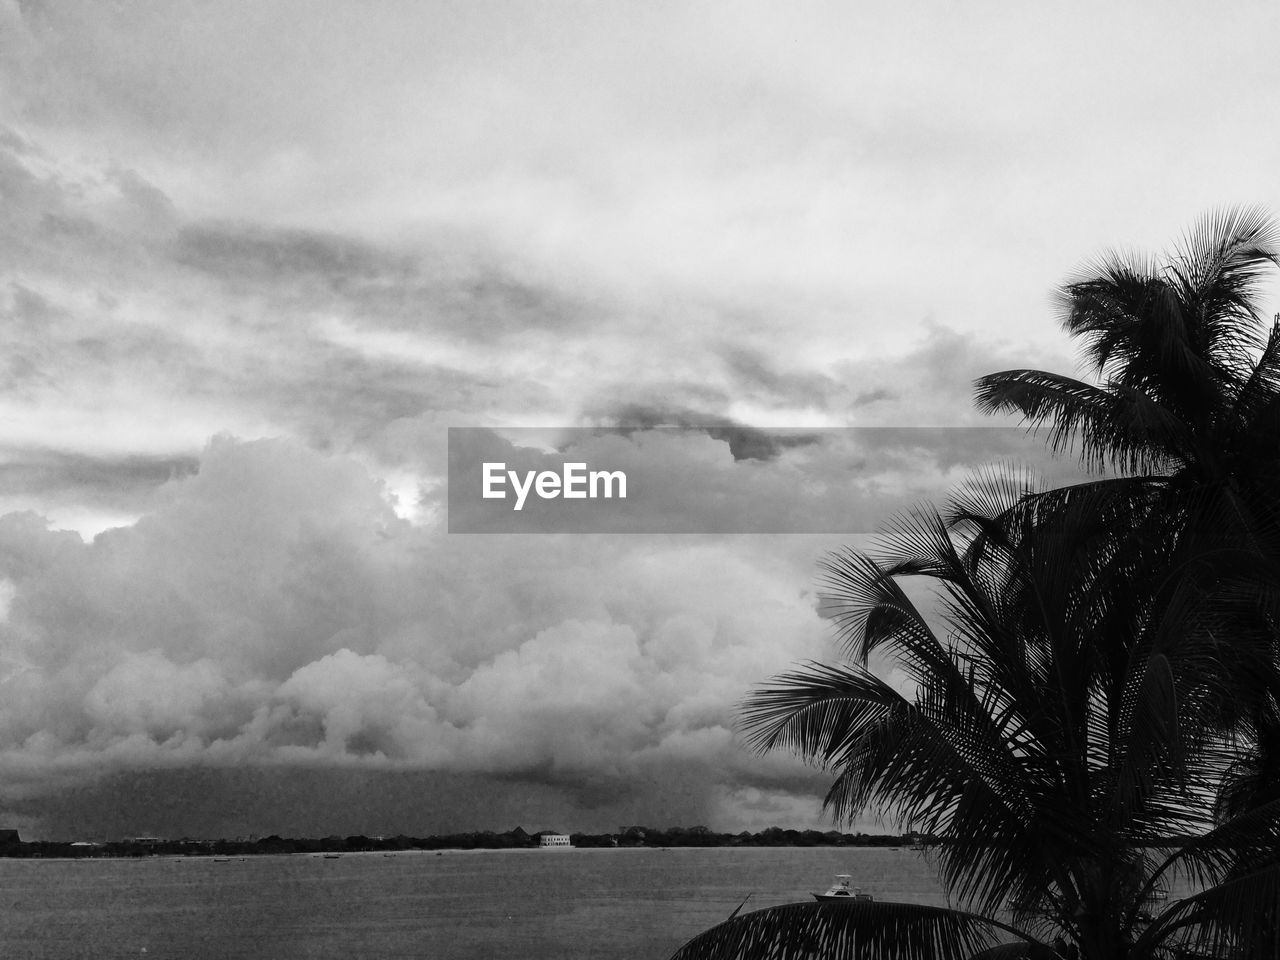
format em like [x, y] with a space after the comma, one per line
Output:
[273, 611]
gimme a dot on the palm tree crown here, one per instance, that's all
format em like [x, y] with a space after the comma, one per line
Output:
[1189, 391]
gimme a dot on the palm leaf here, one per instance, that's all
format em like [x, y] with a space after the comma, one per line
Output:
[1250, 838]
[846, 931]
[1237, 918]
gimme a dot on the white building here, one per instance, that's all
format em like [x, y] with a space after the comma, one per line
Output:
[555, 840]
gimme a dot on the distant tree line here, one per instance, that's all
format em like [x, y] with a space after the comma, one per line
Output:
[517, 838]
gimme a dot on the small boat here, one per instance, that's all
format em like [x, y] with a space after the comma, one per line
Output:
[843, 889]
[333, 856]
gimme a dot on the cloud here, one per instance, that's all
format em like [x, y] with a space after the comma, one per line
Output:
[149, 696]
[745, 441]
[273, 612]
[135, 335]
[759, 380]
[824, 161]
[335, 232]
[59, 477]
[931, 382]
[139, 332]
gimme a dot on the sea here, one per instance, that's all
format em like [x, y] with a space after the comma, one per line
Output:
[604, 904]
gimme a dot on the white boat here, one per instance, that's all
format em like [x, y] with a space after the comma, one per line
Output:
[843, 889]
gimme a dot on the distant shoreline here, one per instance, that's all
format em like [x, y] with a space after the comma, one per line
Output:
[516, 839]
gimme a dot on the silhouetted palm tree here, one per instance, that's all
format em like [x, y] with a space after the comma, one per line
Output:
[1188, 400]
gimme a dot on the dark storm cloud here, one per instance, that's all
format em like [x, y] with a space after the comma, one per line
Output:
[254, 253]
[460, 290]
[111, 481]
[756, 378]
[296, 801]
[868, 397]
[319, 802]
[336, 396]
[745, 442]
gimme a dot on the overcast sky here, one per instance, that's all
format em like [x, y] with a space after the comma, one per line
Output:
[257, 256]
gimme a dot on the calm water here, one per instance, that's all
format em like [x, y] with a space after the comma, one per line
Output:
[526, 904]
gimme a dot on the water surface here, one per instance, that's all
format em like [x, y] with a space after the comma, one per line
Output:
[474, 905]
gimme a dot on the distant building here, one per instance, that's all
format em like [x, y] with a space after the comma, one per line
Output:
[9, 836]
[554, 840]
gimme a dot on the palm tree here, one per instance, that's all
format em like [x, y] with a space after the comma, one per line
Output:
[1047, 763]
[1108, 673]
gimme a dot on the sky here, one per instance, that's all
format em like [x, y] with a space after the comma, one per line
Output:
[259, 256]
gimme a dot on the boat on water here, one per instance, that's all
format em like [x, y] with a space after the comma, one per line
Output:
[843, 889]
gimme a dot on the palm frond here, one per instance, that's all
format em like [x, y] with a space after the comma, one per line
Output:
[1221, 264]
[1260, 389]
[869, 606]
[1237, 918]
[1250, 838]
[1118, 425]
[818, 711]
[1112, 310]
[846, 931]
